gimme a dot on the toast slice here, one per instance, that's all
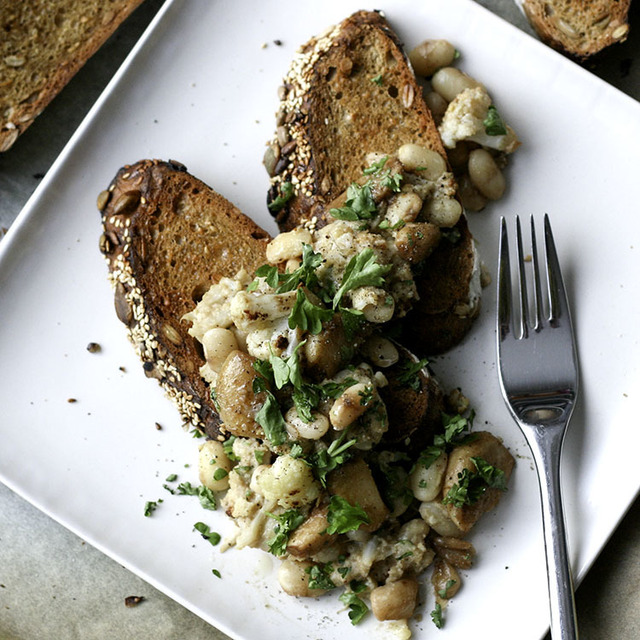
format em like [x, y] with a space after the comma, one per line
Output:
[349, 93]
[44, 43]
[166, 239]
[580, 28]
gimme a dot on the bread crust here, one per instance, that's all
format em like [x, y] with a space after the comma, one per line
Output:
[44, 44]
[166, 239]
[579, 28]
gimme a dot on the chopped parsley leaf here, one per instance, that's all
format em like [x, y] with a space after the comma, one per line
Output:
[206, 533]
[436, 616]
[307, 315]
[286, 193]
[357, 608]
[360, 271]
[287, 523]
[269, 417]
[377, 80]
[472, 485]
[150, 507]
[343, 516]
[493, 123]
[410, 376]
[359, 204]
[205, 496]
[326, 460]
[320, 577]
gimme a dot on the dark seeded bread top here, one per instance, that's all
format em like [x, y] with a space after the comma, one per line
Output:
[43, 44]
[167, 238]
[348, 93]
[580, 28]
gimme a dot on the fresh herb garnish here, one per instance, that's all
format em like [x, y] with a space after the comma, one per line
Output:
[443, 592]
[305, 274]
[320, 577]
[361, 270]
[326, 460]
[359, 204]
[150, 507]
[436, 616]
[269, 417]
[410, 376]
[493, 123]
[357, 608]
[206, 533]
[287, 523]
[205, 495]
[343, 516]
[308, 316]
[472, 485]
[377, 80]
[227, 445]
[286, 193]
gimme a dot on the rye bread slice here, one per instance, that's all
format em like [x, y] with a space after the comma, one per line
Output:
[348, 92]
[167, 237]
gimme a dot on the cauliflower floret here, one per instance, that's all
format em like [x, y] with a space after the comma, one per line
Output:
[464, 120]
[213, 310]
[288, 481]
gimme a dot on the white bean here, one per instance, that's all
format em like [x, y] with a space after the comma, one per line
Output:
[294, 579]
[431, 55]
[349, 406]
[376, 304]
[430, 163]
[449, 82]
[288, 245]
[298, 428]
[472, 199]
[380, 351]
[214, 466]
[443, 212]
[425, 484]
[405, 207]
[218, 343]
[486, 175]
[437, 105]
[395, 600]
[435, 514]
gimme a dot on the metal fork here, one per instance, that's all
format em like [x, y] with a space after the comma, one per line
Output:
[538, 370]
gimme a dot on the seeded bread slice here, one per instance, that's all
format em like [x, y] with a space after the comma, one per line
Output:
[348, 92]
[579, 28]
[167, 237]
[44, 43]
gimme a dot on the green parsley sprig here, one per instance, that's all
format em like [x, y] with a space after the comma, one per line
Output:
[493, 124]
[288, 522]
[343, 516]
[362, 270]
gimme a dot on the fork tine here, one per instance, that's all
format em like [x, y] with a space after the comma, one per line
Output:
[537, 288]
[523, 306]
[504, 283]
[558, 303]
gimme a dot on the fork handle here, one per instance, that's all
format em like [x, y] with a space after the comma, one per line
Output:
[545, 442]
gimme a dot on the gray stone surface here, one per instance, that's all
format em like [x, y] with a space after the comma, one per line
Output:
[53, 585]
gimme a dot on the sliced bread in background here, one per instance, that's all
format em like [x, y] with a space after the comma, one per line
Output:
[579, 28]
[44, 43]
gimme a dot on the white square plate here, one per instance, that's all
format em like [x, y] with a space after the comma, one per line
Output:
[200, 87]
